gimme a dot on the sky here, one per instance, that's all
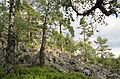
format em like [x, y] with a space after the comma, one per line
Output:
[111, 32]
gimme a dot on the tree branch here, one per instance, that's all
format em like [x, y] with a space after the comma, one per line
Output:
[98, 4]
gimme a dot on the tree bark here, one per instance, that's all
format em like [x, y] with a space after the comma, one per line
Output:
[44, 37]
[84, 47]
[10, 50]
[42, 49]
[61, 41]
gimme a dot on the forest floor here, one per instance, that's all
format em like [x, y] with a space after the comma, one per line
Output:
[40, 73]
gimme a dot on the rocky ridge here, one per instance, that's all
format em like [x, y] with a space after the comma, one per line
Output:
[66, 62]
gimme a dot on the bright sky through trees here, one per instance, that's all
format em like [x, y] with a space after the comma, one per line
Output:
[111, 32]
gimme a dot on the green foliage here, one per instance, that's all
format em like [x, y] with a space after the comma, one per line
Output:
[83, 22]
[103, 49]
[104, 56]
[28, 24]
[18, 3]
[70, 44]
[87, 31]
[114, 64]
[40, 73]
[87, 49]
[27, 7]
[55, 21]
[71, 30]
[111, 63]
[3, 17]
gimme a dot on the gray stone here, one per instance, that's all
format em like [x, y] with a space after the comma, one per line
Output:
[106, 71]
[114, 76]
[59, 68]
[86, 71]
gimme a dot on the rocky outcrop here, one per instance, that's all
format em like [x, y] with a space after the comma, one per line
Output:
[64, 62]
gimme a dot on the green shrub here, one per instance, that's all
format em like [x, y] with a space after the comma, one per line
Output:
[40, 73]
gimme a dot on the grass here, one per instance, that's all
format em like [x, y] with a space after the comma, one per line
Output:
[40, 73]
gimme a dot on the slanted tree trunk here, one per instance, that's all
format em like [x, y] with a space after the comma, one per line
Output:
[10, 50]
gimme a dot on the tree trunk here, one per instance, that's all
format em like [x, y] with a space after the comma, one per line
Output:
[44, 37]
[84, 47]
[42, 49]
[85, 50]
[61, 41]
[10, 50]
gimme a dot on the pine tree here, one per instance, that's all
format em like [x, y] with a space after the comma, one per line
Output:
[10, 50]
[87, 32]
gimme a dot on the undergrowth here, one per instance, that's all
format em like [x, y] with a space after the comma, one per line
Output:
[40, 73]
